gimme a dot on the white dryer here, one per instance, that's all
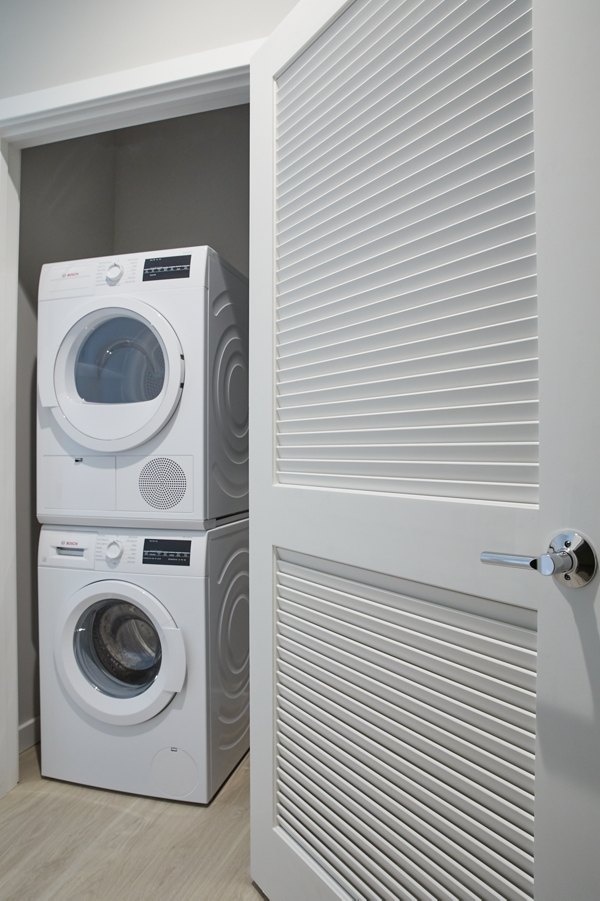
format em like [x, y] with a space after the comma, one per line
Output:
[144, 658]
[142, 390]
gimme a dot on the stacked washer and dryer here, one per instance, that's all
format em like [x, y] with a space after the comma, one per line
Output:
[142, 490]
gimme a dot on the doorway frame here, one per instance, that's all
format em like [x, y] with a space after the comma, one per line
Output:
[213, 79]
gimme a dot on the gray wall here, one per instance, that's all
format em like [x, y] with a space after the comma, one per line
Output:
[67, 209]
[166, 184]
[44, 44]
[184, 181]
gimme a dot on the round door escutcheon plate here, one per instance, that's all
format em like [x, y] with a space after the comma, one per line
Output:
[583, 554]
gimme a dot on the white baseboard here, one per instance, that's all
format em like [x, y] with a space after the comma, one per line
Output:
[29, 733]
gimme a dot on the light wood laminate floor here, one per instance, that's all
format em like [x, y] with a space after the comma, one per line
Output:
[63, 842]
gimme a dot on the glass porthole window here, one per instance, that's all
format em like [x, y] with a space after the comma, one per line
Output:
[117, 377]
[120, 362]
[117, 648]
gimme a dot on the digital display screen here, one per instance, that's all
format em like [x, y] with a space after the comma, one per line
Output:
[158, 268]
[167, 552]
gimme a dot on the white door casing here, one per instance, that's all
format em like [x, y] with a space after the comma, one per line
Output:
[10, 164]
[416, 715]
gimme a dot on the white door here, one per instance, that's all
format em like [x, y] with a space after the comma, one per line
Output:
[425, 370]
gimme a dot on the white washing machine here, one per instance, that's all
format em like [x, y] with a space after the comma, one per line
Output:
[142, 390]
[144, 658]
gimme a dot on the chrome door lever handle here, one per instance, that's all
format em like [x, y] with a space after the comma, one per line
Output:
[569, 558]
[548, 564]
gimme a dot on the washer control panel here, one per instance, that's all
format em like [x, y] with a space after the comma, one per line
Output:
[123, 551]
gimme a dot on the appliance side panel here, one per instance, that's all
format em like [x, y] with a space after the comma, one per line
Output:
[226, 390]
[228, 648]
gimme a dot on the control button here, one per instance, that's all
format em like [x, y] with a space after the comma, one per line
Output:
[114, 273]
[114, 551]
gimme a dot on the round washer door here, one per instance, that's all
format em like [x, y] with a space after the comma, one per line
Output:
[119, 653]
[118, 376]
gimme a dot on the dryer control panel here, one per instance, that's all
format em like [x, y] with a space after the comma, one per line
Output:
[161, 268]
[182, 268]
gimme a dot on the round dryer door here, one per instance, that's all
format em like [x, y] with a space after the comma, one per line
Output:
[119, 654]
[118, 377]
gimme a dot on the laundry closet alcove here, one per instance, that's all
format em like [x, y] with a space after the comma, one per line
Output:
[152, 158]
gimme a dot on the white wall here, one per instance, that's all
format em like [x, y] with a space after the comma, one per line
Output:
[43, 44]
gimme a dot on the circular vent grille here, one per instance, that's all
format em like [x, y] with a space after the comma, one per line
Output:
[162, 483]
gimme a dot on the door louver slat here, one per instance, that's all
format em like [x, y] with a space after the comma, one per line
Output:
[421, 707]
[404, 733]
[465, 832]
[406, 302]
[456, 631]
[450, 852]
[348, 787]
[390, 49]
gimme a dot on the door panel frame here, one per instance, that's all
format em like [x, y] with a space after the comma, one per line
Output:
[214, 79]
[566, 179]
[566, 174]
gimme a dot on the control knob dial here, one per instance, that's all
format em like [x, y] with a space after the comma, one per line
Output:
[114, 550]
[114, 273]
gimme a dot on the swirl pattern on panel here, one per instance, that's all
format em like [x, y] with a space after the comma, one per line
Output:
[229, 381]
[232, 650]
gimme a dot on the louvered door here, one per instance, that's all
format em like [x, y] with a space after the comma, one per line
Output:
[424, 367]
